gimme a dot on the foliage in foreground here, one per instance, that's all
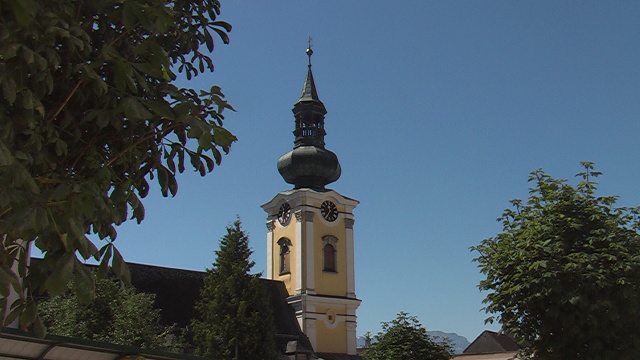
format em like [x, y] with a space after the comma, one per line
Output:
[89, 111]
[565, 272]
[118, 315]
[404, 338]
[235, 319]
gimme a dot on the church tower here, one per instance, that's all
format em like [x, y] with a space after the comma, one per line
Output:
[310, 233]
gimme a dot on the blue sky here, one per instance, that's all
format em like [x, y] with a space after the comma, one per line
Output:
[437, 110]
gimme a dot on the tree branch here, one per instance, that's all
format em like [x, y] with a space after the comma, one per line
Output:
[73, 91]
[117, 156]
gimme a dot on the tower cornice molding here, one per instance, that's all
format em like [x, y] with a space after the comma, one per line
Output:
[348, 223]
[271, 225]
[304, 215]
[302, 197]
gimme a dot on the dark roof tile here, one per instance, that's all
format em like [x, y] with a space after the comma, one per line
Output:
[490, 342]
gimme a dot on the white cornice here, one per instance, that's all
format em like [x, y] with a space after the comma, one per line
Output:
[306, 196]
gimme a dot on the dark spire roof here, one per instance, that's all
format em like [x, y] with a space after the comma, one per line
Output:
[309, 164]
[309, 92]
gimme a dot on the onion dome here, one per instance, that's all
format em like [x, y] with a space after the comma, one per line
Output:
[309, 164]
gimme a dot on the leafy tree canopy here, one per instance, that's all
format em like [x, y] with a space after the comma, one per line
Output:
[565, 272]
[404, 338]
[89, 113]
[235, 319]
[118, 315]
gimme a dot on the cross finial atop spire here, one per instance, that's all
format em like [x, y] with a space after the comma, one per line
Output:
[309, 50]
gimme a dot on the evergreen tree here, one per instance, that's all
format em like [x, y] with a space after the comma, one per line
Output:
[235, 319]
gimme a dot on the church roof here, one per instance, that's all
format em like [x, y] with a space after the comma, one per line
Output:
[18, 344]
[178, 290]
[490, 342]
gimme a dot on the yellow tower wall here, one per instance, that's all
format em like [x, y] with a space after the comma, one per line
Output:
[289, 232]
[324, 301]
[331, 337]
[328, 282]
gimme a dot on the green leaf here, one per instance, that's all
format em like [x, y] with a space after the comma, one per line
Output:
[181, 167]
[222, 24]
[223, 35]
[9, 51]
[161, 108]
[38, 327]
[163, 179]
[173, 185]
[205, 141]
[16, 309]
[56, 282]
[223, 137]
[138, 208]
[133, 109]
[120, 268]
[29, 314]
[210, 163]
[128, 15]
[9, 90]
[208, 39]
[217, 155]
[26, 54]
[6, 158]
[83, 284]
[105, 254]
[3, 307]
[195, 132]
[27, 99]
[86, 248]
[171, 165]
[24, 11]
[109, 52]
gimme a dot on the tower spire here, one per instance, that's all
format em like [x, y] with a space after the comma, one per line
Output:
[309, 164]
[309, 50]
[309, 92]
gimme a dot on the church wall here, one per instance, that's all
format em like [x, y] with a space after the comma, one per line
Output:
[331, 337]
[331, 283]
[289, 232]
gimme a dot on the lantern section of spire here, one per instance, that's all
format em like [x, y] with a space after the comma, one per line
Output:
[309, 164]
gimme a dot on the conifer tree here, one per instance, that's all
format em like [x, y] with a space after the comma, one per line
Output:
[235, 319]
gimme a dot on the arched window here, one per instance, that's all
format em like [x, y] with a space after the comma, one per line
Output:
[285, 251]
[329, 253]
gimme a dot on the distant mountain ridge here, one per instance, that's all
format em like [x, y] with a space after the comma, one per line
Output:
[458, 342]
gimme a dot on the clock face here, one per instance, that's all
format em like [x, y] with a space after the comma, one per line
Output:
[329, 211]
[284, 214]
